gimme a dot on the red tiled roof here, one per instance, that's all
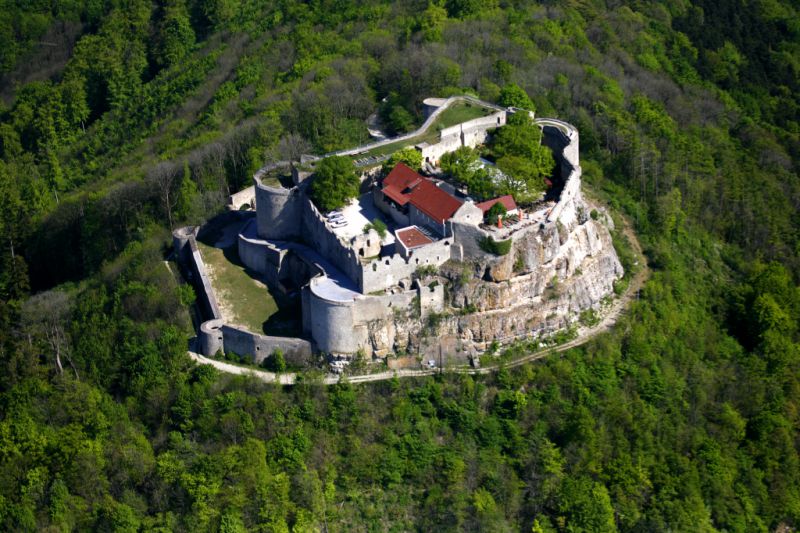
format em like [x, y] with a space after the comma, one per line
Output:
[400, 177]
[507, 201]
[412, 237]
[395, 195]
[433, 201]
[403, 185]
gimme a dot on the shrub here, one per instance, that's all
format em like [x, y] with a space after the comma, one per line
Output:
[489, 245]
[378, 225]
[410, 156]
[275, 362]
[496, 211]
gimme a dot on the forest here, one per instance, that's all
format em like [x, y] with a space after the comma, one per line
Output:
[123, 119]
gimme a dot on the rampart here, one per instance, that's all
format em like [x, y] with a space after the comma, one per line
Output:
[188, 255]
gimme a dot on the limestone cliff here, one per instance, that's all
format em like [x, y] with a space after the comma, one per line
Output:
[552, 273]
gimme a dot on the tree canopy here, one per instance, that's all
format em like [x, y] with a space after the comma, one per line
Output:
[335, 183]
[118, 117]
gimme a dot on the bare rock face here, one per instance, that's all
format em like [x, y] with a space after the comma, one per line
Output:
[551, 274]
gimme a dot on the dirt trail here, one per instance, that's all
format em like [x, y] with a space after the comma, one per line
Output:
[585, 334]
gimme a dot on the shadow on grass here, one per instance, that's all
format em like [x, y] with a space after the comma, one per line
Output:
[287, 321]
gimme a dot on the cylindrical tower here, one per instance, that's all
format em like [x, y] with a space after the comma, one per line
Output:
[180, 241]
[331, 319]
[278, 212]
[211, 337]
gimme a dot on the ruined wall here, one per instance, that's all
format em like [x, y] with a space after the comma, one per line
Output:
[245, 197]
[564, 140]
[188, 256]
[385, 272]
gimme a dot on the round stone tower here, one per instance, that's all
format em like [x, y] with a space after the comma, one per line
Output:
[278, 211]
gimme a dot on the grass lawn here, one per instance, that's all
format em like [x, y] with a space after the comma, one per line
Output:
[460, 112]
[242, 299]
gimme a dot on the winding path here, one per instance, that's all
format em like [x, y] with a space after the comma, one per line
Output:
[585, 334]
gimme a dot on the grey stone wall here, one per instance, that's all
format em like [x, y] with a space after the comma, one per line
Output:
[319, 237]
[245, 197]
[278, 212]
[259, 347]
[189, 258]
[385, 272]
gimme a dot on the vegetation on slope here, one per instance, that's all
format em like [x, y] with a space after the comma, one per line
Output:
[683, 418]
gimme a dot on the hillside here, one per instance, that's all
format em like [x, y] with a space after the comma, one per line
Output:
[149, 115]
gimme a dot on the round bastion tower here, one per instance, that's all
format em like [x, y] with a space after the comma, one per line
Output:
[278, 211]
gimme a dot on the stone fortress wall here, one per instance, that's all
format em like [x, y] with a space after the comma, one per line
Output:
[340, 315]
[215, 334]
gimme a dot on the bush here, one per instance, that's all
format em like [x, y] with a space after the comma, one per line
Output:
[489, 245]
[335, 183]
[275, 362]
[378, 225]
[496, 211]
[410, 156]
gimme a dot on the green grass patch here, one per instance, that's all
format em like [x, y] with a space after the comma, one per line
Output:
[458, 113]
[247, 301]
